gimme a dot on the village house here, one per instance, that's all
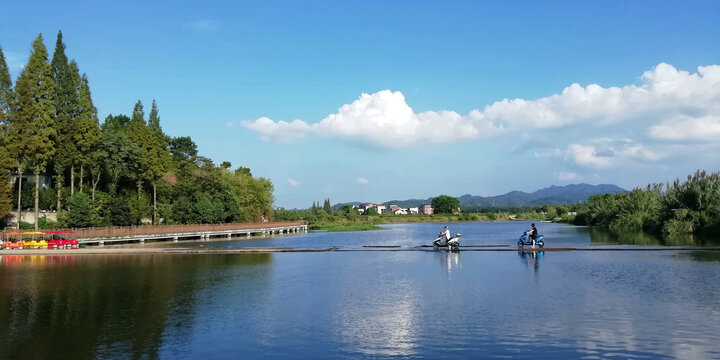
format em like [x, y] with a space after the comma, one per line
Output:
[362, 209]
[394, 209]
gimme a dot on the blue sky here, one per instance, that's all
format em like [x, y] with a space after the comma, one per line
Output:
[376, 100]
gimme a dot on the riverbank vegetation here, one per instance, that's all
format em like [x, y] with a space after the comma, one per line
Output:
[125, 171]
[347, 218]
[688, 207]
[667, 210]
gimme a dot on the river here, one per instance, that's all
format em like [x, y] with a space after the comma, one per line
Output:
[354, 304]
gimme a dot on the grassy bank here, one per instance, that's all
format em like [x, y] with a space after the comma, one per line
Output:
[347, 219]
[344, 227]
[362, 223]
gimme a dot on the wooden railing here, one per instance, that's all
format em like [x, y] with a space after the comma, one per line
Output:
[120, 231]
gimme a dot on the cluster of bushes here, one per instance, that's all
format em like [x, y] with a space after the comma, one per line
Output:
[689, 207]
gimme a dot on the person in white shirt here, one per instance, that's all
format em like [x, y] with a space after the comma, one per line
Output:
[446, 232]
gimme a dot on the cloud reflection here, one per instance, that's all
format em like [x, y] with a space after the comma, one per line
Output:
[387, 327]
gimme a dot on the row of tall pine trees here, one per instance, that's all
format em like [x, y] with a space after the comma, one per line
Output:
[131, 169]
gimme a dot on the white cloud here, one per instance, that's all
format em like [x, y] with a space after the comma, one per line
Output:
[705, 128]
[280, 131]
[293, 182]
[568, 176]
[667, 100]
[382, 118]
[362, 180]
[229, 124]
[604, 152]
[665, 91]
[587, 156]
[548, 153]
[638, 152]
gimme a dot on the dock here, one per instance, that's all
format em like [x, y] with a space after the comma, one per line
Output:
[118, 235]
[197, 232]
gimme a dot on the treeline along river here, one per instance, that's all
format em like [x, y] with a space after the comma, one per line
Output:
[363, 303]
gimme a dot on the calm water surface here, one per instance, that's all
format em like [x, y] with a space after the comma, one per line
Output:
[367, 304]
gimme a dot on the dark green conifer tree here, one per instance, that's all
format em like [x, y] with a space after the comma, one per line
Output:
[159, 159]
[86, 125]
[137, 132]
[6, 163]
[66, 106]
[31, 128]
[327, 207]
[6, 94]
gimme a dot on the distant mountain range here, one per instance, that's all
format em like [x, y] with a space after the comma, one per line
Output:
[553, 195]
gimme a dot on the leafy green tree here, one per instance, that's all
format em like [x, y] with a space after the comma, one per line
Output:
[253, 195]
[210, 210]
[183, 151]
[139, 209]
[47, 199]
[116, 123]
[561, 211]
[638, 210]
[244, 171]
[282, 214]
[693, 206]
[27, 189]
[445, 204]
[347, 211]
[602, 209]
[120, 212]
[32, 123]
[80, 212]
[118, 155]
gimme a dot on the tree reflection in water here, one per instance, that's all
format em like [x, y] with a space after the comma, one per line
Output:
[599, 235]
[96, 306]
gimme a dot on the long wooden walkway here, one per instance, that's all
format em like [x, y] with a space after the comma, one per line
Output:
[142, 234]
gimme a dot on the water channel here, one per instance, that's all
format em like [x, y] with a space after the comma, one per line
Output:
[419, 303]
